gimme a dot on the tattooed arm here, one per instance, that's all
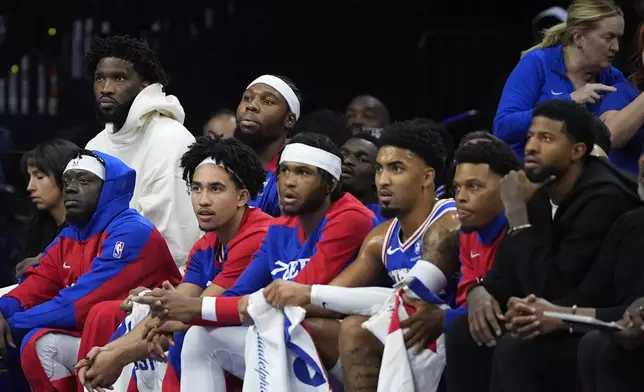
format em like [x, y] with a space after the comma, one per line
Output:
[441, 244]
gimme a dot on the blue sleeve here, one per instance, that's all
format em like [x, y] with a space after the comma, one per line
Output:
[451, 315]
[256, 276]
[107, 276]
[519, 97]
[195, 271]
[9, 306]
[618, 100]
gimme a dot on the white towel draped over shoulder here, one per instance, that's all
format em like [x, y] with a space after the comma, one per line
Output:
[401, 369]
[280, 354]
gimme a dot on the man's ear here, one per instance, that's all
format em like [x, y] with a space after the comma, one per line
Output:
[289, 122]
[242, 198]
[429, 177]
[578, 151]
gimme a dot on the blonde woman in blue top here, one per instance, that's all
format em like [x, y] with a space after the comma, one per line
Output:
[573, 61]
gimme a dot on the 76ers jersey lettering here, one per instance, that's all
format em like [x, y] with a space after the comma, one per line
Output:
[399, 257]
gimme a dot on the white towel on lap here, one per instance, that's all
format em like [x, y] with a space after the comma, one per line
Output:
[280, 354]
[401, 369]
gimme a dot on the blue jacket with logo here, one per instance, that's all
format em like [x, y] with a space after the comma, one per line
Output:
[540, 76]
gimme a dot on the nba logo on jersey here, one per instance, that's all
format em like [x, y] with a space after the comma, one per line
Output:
[118, 249]
[417, 247]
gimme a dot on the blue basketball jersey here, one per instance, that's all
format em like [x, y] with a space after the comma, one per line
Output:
[399, 257]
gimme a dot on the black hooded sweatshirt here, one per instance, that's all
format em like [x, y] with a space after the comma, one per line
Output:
[553, 257]
[617, 277]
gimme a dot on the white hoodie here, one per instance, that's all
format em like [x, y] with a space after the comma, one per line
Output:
[152, 141]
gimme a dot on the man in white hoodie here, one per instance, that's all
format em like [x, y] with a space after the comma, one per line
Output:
[144, 128]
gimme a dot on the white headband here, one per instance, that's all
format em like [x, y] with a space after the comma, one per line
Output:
[87, 163]
[302, 153]
[284, 89]
[210, 161]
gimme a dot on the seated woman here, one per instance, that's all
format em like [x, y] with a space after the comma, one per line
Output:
[623, 113]
[43, 166]
[573, 62]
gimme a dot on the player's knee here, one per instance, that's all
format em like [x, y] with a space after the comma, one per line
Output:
[106, 312]
[325, 334]
[46, 351]
[194, 346]
[352, 335]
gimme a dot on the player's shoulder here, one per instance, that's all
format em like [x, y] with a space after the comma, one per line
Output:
[348, 208]
[130, 221]
[256, 220]
[207, 241]
[169, 135]
[375, 240]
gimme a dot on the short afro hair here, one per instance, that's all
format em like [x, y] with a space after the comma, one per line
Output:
[480, 134]
[420, 137]
[325, 122]
[244, 167]
[602, 135]
[495, 153]
[368, 136]
[322, 142]
[144, 60]
[578, 123]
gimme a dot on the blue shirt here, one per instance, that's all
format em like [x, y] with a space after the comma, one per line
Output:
[626, 157]
[540, 76]
[268, 200]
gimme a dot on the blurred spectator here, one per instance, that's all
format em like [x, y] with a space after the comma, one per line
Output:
[367, 113]
[359, 170]
[221, 123]
[623, 113]
[43, 166]
[325, 122]
[573, 62]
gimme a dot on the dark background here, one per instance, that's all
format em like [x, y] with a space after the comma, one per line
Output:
[422, 58]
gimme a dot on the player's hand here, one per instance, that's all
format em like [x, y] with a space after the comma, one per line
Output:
[126, 305]
[632, 336]
[242, 308]
[281, 293]
[525, 318]
[6, 339]
[24, 264]
[167, 302]
[483, 315]
[517, 189]
[157, 346]
[84, 364]
[424, 326]
[590, 92]
[105, 367]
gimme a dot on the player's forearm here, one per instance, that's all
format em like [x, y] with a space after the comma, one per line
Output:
[131, 338]
[137, 351]
[364, 301]
[313, 311]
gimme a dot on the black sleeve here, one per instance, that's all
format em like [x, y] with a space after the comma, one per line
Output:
[552, 274]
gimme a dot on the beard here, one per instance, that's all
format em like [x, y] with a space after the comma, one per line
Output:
[541, 174]
[311, 204]
[116, 116]
[257, 139]
[389, 212]
[468, 229]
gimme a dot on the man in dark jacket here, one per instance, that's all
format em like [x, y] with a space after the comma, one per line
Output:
[552, 241]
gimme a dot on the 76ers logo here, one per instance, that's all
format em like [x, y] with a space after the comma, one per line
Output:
[118, 249]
